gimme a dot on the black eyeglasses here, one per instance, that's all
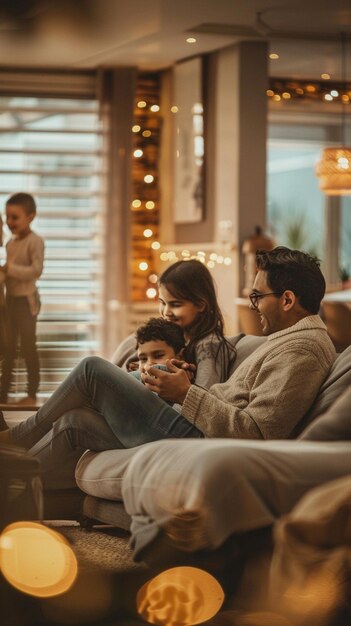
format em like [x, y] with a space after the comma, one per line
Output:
[255, 297]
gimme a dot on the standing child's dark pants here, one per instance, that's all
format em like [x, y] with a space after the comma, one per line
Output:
[21, 326]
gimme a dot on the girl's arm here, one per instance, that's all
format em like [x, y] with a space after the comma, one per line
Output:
[211, 363]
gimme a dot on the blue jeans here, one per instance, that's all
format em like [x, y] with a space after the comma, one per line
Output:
[100, 407]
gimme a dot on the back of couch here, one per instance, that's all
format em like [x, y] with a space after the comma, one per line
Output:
[337, 381]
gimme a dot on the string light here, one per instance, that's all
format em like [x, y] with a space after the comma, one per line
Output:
[145, 204]
[319, 90]
[151, 293]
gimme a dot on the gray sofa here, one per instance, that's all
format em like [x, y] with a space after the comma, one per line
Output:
[204, 491]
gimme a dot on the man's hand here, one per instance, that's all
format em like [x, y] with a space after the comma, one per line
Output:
[172, 385]
[189, 368]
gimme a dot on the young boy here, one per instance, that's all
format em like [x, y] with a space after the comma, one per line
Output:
[24, 265]
[157, 341]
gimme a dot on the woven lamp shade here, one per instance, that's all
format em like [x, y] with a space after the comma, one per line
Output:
[334, 171]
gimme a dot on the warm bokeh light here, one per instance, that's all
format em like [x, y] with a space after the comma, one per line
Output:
[146, 133]
[143, 266]
[141, 104]
[153, 278]
[138, 153]
[148, 232]
[136, 128]
[174, 109]
[286, 95]
[36, 559]
[151, 293]
[150, 205]
[148, 178]
[276, 97]
[155, 245]
[181, 596]
[136, 204]
[191, 40]
[328, 97]
[154, 108]
[274, 56]
[325, 76]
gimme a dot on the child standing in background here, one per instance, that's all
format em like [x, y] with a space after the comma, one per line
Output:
[24, 265]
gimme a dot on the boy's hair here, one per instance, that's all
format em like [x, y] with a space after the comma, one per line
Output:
[159, 329]
[296, 271]
[25, 200]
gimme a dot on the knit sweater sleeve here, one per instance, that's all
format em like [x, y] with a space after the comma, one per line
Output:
[270, 404]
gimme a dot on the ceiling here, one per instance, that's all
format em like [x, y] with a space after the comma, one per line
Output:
[151, 34]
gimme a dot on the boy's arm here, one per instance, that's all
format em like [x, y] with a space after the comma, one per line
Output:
[35, 269]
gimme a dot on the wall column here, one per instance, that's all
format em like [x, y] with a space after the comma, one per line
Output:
[240, 131]
[117, 106]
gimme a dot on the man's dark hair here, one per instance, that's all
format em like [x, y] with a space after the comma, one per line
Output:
[296, 271]
[25, 200]
[159, 329]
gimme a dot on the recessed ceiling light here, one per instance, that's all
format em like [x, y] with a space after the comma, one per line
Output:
[191, 40]
[325, 76]
[274, 56]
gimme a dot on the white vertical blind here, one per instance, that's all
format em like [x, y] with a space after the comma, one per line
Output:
[51, 147]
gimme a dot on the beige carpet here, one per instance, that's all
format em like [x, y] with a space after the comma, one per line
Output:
[106, 549]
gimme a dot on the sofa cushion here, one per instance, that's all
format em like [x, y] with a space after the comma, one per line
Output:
[100, 473]
[219, 487]
[337, 381]
[335, 424]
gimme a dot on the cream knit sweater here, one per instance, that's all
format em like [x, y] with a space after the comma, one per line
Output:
[271, 390]
[25, 258]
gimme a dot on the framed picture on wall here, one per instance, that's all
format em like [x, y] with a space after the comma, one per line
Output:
[189, 142]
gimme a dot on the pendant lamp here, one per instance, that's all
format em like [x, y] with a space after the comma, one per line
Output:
[334, 169]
